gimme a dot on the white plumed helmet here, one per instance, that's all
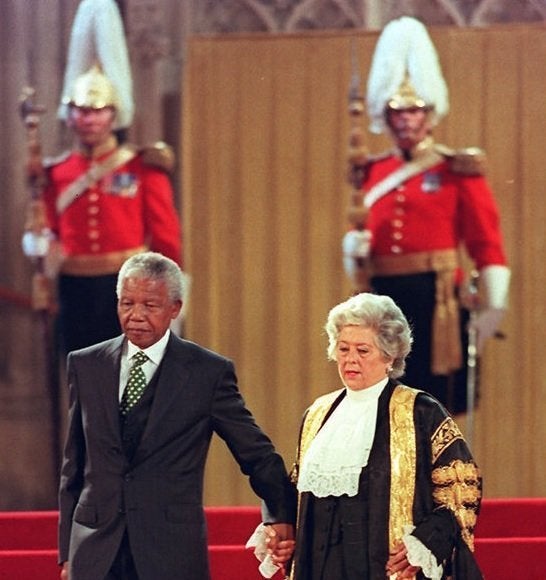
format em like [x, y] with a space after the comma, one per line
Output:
[405, 72]
[98, 47]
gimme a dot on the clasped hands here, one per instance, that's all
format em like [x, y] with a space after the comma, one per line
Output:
[280, 546]
[280, 543]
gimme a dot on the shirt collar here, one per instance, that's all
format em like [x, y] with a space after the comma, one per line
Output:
[369, 394]
[154, 352]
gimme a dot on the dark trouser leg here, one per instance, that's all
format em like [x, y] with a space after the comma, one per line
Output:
[415, 295]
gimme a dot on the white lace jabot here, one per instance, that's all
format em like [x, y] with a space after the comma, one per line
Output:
[341, 448]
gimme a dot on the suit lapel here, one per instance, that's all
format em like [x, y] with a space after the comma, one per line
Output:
[108, 382]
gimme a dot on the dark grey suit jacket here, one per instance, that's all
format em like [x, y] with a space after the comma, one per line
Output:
[156, 496]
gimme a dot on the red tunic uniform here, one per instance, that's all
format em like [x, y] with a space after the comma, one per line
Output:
[131, 207]
[128, 209]
[434, 210]
[416, 227]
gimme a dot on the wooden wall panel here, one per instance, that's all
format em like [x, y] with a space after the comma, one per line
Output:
[529, 253]
[501, 95]
[265, 133]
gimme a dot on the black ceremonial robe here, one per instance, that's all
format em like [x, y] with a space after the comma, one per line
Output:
[420, 472]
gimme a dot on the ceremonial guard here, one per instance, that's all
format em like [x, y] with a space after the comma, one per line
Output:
[104, 200]
[414, 206]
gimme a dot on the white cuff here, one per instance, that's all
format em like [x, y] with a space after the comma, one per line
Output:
[419, 555]
[494, 282]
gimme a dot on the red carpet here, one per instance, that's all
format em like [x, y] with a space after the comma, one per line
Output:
[510, 542]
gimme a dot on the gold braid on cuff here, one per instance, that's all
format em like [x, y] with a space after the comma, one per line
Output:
[457, 487]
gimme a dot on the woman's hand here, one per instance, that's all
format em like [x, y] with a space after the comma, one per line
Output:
[398, 565]
[280, 542]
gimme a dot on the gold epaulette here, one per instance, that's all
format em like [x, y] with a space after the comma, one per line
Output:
[466, 161]
[48, 162]
[158, 154]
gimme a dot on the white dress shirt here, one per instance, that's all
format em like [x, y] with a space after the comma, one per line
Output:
[154, 353]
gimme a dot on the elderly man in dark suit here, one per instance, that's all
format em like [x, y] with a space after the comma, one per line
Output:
[131, 505]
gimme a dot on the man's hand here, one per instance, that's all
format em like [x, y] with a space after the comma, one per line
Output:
[398, 566]
[64, 571]
[280, 542]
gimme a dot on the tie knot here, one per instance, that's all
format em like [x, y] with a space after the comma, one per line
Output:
[139, 358]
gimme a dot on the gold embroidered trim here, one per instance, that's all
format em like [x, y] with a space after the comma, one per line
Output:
[403, 461]
[312, 423]
[457, 487]
[443, 437]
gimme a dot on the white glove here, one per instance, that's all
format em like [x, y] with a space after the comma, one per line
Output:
[356, 244]
[494, 284]
[486, 325]
[36, 245]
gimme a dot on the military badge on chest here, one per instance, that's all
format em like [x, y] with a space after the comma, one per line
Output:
[123, 184]
[431, 182]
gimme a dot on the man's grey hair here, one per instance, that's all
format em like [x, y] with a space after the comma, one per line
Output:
[381, 314]
[154, 266]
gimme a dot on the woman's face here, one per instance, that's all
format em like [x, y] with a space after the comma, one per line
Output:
[360, 363]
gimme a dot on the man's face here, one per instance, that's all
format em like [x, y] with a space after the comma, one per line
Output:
[93, 126]
[408, 126]
[145, 310]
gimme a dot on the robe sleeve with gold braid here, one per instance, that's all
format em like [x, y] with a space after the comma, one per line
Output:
[455, 484]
